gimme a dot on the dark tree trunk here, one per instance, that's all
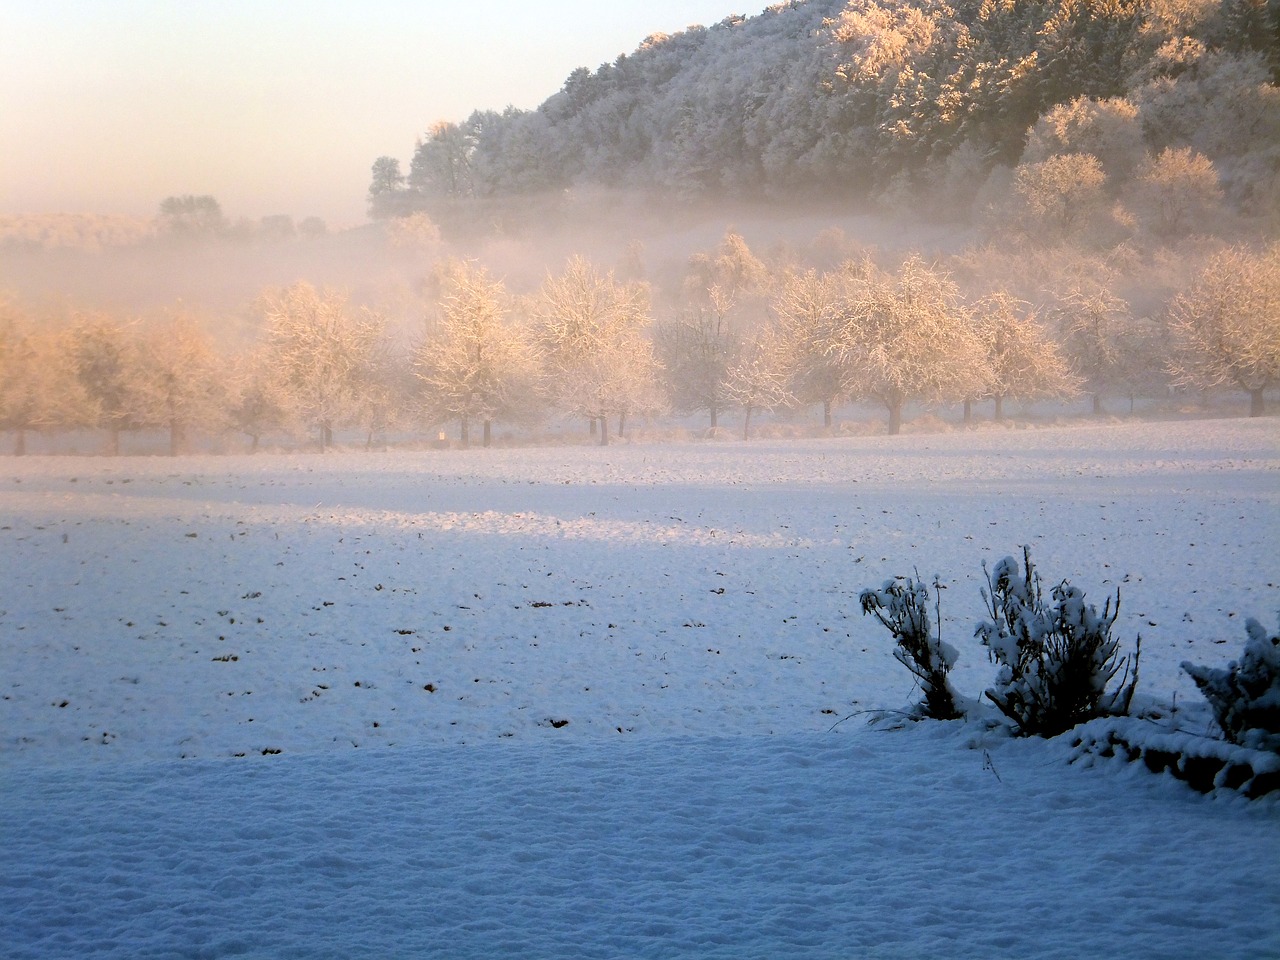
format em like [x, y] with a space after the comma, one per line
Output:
[326, 436]
[464, 433]
[593, 426]
[20, 443]
[968, 411]
[604, 431]
[253, 443]
[746, 424]
[1256, 405]
[999, 407]
[1097, 405]
[113, 441]
[488, 432]
[895, 418]
[622, 425]
[715, 413]
[826, 414]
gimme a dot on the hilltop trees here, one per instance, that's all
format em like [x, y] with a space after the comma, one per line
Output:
[1226, 324]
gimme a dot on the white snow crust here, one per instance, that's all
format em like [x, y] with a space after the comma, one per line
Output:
[306, 706]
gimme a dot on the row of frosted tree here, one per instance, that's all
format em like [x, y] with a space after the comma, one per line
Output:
[738, 334]
[931, 104]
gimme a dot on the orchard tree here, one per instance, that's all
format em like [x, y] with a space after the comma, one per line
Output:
[905, 337]
[258, 400]
[38, 385]
[324, 354]
[1226, 325]
[1177, 191]
[723, 293]
[757, 379]
[476, 365]
[180, 380]
[591, 333]
[1023, 363]
[104, 354]
[1093, 327]
[809, 311]
[1061, 194]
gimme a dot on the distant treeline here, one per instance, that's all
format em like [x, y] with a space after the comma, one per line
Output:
[806, 328]
[918, 104]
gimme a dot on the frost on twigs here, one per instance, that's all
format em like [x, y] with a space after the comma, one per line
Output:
[1245, 697]
[902, 605]
[1056, 658]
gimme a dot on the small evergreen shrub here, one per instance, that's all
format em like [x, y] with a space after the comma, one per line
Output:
[1245, 697]
[1056, 657]
[902, 605]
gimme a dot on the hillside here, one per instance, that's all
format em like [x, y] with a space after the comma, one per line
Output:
[917, 104]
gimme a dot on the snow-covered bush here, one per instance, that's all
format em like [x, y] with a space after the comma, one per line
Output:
[902, 605]
[1055, 658]
[1245, 697]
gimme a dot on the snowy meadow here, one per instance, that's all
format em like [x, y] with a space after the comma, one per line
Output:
[609, 701]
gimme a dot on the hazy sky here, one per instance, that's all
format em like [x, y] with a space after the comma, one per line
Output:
[275, 106]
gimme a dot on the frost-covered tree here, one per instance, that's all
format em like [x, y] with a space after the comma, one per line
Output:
[757, 379]
[1226, 325]
[696, 349]
[38, 385]
[324, 354]
[1023, 363]
[905, 337]
[258, 400]
[810, 309]
[1061, 195]
[180, 380]
[1092, 323]
[1177, 191]
[476, 366]
[1107, 130]
[388, 196]
[104, 353]
[591, 333]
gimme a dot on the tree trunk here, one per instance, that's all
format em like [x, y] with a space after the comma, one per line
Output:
[826, 414]
[20, 443]
[1097, 405]
[326, 435]
[488, 432]
[177, 437]
[999, 406]
[113, 441]
[593, 426]
[714, 416]
[746, 424]
[622, 425]
[464, 433]
[968, 411]
[604, 430]
[895, 418]
[253, 443]
[1256, 407]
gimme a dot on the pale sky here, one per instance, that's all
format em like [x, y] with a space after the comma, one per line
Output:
[275, 106]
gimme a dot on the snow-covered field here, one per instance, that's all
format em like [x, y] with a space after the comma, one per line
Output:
[585, 702]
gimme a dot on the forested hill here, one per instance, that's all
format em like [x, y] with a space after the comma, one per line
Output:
[852, 99]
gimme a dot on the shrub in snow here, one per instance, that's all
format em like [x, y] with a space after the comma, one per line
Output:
[1245, 697]
[1055, 658]
[902, 605]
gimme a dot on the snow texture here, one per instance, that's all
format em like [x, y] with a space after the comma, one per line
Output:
[412, 631]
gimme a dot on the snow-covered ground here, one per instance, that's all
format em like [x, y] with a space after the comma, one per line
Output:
[585, 702]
